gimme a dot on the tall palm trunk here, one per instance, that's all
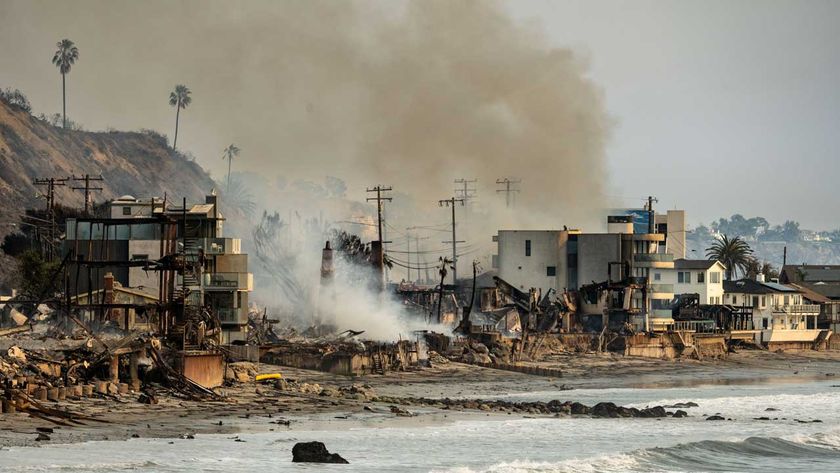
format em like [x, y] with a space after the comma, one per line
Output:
[228, 178]
[64, 100]
[177, 116]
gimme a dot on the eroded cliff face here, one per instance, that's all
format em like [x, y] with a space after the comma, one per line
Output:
[136, 163]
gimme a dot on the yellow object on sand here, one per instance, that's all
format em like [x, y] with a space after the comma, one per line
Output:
[263, 377]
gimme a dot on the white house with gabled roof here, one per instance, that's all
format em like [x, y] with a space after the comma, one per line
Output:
[700, 276]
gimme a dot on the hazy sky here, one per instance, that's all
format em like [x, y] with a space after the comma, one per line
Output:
[722, 106]
[719, 107]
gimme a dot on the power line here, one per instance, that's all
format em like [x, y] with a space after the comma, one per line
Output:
[87, 188]
[508, 189]
[464, 191]
[379, 199]
[451, 203]
[51, 183]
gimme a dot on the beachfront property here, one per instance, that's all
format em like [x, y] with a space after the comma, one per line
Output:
[702, 277]
[568, 259]
[114, 253]
[781, 316]
[820, 284]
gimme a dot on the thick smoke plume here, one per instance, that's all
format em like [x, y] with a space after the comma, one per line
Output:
[411, 94]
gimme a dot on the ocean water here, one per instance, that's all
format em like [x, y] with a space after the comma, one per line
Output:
[501, 443]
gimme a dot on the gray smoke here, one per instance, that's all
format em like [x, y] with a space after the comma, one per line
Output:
[411, 94]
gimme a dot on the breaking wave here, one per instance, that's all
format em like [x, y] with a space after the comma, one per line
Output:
[817, 452]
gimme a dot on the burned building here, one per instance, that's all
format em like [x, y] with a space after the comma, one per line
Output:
[134, 239]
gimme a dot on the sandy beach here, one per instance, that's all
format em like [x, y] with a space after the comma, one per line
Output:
[251, 407]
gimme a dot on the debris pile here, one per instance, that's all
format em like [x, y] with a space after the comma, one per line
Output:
[344, 355]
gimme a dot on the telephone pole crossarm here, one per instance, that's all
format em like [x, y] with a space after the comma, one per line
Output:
[451, 203]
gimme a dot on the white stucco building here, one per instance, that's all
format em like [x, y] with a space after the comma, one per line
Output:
[701, 277]
[780, 316]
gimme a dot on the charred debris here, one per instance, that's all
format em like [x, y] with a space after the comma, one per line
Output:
[147, 296]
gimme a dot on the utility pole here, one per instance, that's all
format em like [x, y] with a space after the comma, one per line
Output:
[451, 203]
[51, 183]
[464, 191]
[87, 188]
[379, 190]
[379, 258]
[417, 239]
[508, 190]
[651, 214]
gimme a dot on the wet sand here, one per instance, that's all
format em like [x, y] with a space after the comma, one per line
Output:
[257, 407]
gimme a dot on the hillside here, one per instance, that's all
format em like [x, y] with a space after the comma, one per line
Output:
[801, 252]
[140, 164]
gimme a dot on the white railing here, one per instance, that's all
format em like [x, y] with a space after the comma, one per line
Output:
[798, 309]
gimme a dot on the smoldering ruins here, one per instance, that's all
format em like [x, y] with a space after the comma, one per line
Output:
[156, 297]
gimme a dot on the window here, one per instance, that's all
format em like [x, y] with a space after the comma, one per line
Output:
[680, 277]
[714, 277]
[755, 301]
[787, 300]
[551, 270]
[660, 304]
[764, 323]
[126, 210]
[657, 276]
[763, 301]
[701, 277]
[734, 300]
[527, 247]
[684, 277]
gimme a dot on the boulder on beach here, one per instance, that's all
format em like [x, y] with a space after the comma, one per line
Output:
[314, 452]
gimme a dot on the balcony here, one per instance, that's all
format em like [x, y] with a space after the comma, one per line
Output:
[654, 260]
[661, 288]
[643, 236]
[222, 246]
[653, 257]
[232, 316]
[799, 309]
[229, 281]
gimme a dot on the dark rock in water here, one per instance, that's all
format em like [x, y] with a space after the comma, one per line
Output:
[678, 414]
[657, 411]
[42, 437]
[314, 452]
[682, 405]
[715, 418]
[605, 409]
[46, 430]
[816, 421]
[578, 408]
[609, 409]
[761, 418]
[770, 409]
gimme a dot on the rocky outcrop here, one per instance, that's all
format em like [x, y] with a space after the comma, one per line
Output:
[314, 452]
[555, 407]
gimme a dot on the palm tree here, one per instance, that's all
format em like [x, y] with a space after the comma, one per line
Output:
[238, 197]
[734, 253]
[179, 99]
[64, 57]
[229, 153]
